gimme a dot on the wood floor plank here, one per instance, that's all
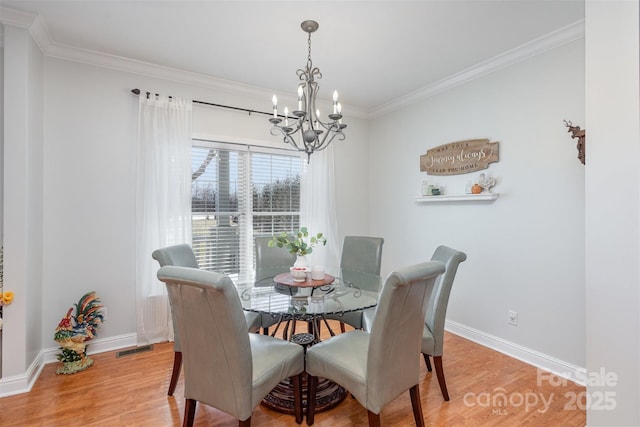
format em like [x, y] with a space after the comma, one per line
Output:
[132, 391]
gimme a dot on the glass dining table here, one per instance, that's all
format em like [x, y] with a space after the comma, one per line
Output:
[310, 302]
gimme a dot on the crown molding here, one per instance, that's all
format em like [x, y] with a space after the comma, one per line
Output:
[535, 47]
[16, 18]
[53, 49]
[91, 57]
[28, 21]
[50, 48]
[100, 59]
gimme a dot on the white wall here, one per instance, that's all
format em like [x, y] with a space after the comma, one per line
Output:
[90, 123]
[88, 197]
[1, 160]
[23, 174]
[1, 141]
[525, 250]
[612, 210]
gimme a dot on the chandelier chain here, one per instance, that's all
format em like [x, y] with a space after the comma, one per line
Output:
[313, 133]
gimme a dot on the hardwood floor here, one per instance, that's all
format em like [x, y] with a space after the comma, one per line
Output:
[486, 389]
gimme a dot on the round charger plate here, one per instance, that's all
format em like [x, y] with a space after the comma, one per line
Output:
[287, 279]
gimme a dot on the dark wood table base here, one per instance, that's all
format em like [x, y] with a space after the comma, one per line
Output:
[329, 396]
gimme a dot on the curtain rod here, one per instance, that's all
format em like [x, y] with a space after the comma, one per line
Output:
[137, 92]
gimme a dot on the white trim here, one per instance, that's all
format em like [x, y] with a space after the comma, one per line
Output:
[563, 369]
[99, 345]
[50, 48]
[16, 18]
[535, 47]
[23, 383]
[41, 35]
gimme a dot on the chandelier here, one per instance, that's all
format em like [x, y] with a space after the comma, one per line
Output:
[315, 135]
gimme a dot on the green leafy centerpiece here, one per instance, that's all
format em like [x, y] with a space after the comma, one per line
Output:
[300, 244]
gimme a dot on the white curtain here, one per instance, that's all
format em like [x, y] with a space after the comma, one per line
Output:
[163, 204]
[318, 208]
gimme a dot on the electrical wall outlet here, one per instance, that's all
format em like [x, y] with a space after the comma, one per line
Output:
[513, 317]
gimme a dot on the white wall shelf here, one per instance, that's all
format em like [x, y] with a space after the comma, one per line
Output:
[458, 198]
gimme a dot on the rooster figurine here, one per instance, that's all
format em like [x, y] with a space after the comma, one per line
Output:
[486, 183]
[73, 332]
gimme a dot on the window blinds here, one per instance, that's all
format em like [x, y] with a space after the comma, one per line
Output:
[238, 193]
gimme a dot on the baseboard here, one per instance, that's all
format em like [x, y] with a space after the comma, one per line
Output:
[99, 345]
[23, 383]
[571, 372]
[18, 384]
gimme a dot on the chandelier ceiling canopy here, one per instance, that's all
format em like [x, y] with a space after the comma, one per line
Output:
[305, 131]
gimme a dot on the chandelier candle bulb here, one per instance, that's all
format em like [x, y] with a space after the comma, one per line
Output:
[286, 116]
[308, 133]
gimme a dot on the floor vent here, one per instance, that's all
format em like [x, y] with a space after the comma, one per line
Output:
[135, 350]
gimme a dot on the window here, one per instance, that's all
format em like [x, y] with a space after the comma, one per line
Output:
[238, 193]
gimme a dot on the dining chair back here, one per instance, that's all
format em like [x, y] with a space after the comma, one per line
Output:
[433, 333]
[224, 366]
[360, 265]
[378, 366]
[361, 254]
[270, 261]
[182, 256]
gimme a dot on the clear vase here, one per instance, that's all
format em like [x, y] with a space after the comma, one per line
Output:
[301, 261]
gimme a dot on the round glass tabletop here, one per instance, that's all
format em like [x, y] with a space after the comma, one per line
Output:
[351, 291]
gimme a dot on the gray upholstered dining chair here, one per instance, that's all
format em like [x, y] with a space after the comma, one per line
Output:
[433, 333]
[360, 264]
[183, 256]
[224, 366]
[270, 261]
[378, 366]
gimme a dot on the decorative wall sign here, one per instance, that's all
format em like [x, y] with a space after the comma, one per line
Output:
[460, 157]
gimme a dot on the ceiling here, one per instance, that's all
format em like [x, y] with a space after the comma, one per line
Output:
[372, 52]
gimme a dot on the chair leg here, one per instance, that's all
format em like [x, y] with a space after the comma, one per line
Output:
[374, 419]
[189, 412]
[427, 361]
[245, 423]
[296, 380]
[417, 405]
[175, 374]
[342, 329]
[312, 387]
[437, 360]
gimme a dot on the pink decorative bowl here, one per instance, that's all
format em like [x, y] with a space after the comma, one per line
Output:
[299, 274]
